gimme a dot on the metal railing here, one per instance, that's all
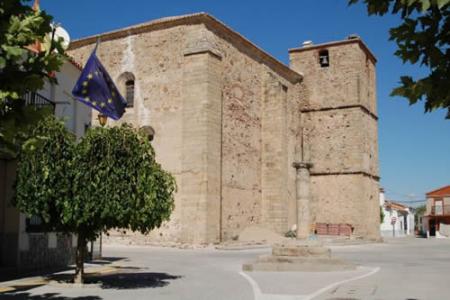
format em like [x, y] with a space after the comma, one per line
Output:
[37, 100]
[440, 210]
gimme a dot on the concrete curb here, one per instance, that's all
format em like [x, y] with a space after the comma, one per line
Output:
[242, 247]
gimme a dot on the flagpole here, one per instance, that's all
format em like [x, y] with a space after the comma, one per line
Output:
[102, 119]
[96, 44]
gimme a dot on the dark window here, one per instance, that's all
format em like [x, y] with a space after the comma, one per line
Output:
[34, 224]
[324, 58]
[129, 92]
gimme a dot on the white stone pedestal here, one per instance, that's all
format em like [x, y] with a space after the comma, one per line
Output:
[303, 256]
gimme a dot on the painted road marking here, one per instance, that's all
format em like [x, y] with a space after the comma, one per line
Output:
[258, 295]
[328, 287]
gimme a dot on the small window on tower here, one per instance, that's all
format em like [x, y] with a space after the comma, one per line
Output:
[324, 58]
[129, 92]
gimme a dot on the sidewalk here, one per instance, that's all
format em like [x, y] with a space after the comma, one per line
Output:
[18, 281]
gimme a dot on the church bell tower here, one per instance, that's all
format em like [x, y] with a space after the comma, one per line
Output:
[340, 123]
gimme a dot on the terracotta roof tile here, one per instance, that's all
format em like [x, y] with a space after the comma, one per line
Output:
[396, 205]
[441, 192]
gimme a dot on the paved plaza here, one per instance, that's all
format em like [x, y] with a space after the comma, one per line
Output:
[403, 268]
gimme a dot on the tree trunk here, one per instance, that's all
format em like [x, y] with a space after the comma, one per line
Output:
[79, 260]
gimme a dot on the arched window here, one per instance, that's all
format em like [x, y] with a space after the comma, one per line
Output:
[126, 82]
[129, 92]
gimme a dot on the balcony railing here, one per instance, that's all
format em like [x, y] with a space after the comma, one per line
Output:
[440, 210]
[37, 100]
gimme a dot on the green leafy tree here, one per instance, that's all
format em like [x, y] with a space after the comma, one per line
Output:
[110, 179]
[419, 212]
[422, 37]
[15, 128]
[381, 214]
[22, 67]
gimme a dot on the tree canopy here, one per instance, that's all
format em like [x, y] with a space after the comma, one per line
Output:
[29, 55]
[110, 179]
[423, 37]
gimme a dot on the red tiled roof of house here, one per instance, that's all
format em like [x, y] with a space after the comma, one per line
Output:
[395, 205]
[441, 192]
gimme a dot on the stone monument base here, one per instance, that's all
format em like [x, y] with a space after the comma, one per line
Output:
[303, 256]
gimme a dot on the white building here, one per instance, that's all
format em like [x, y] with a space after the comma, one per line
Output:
[398, 219]
[22, 242]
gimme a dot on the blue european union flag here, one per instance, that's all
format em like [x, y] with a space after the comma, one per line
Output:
[96, 89]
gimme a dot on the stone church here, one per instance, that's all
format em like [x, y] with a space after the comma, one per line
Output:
[232, 124]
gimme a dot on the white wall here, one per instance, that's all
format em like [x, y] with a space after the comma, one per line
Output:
[403, 217]
[75, 114]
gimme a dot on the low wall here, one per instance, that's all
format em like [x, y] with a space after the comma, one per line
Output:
[45, 251]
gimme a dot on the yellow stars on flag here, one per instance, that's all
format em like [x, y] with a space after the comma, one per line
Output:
[89, 76]
[94, 103]
[85, 83]
[84, 91]
[109, 100]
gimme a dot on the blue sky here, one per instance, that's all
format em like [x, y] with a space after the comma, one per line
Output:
[414, 147]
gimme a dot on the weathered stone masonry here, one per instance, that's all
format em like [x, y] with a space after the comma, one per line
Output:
[341, 124]
[229, 117]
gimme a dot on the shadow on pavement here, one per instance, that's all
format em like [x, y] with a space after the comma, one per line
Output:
[47, 296]
[125, 280]
[121, 280]
[7, 274]
[12, 273]
[132, 280]
[105, 260]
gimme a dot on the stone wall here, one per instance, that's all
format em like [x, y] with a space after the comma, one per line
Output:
[205, 97]
[341, 131]
[200, 183]
[228, 119]
[346, 199]
[348, 80]
[339, 141]
[156, 59]
[260, 127]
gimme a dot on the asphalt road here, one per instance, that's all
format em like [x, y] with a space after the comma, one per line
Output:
[403, 268]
